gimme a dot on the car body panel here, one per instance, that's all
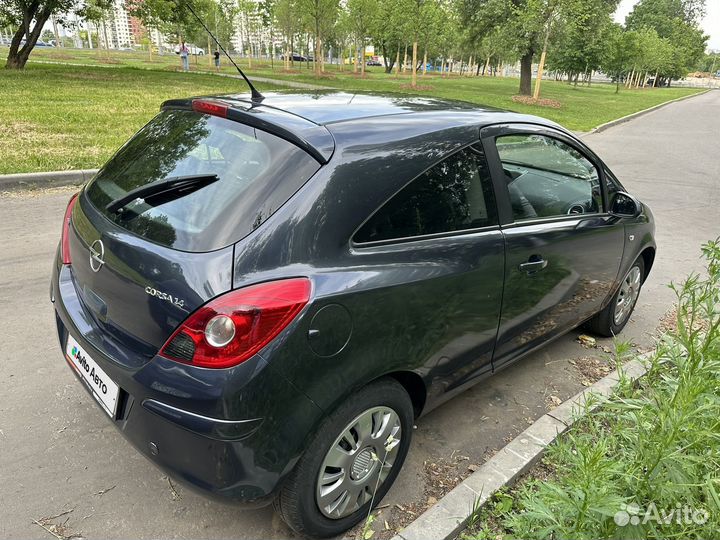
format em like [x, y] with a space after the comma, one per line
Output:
[143, 291]
[217, 413]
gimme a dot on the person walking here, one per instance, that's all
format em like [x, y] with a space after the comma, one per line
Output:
[184, 56]
[217, 60]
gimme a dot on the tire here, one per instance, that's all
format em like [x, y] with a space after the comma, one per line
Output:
[610, 322]
[299, 502]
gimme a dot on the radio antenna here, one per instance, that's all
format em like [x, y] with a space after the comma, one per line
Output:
[256, 96]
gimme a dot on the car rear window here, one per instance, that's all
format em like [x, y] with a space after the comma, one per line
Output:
[258, 172]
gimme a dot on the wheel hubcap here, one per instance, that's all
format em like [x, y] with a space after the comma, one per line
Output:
[358, 462]
[629, 291]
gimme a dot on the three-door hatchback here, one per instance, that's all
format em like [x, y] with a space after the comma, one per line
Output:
[262, 295]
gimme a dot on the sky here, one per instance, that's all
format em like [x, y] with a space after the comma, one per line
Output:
[710, 24]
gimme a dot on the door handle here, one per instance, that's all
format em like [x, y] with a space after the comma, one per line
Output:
[534, 264]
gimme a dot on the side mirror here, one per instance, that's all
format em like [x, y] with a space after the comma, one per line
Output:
[625, 205]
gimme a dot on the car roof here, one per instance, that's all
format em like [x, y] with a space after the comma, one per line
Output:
[304, 117]
[326, 107]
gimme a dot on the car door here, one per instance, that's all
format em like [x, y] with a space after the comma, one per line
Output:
[563, 249]
[438, 255]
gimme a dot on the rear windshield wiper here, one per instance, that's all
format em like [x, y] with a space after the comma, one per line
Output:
[166, 189]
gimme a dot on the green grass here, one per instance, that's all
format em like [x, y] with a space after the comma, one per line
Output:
[62, 117]
[647, 463]
[58, 117]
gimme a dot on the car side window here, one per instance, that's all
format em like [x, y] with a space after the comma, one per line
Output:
[456, 194]
[547, 178]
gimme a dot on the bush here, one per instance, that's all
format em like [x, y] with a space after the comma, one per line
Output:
[647, 463]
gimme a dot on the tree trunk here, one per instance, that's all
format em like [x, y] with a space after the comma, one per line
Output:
[355, 60]
[318, 50]
[322, 58]
[414, 64]
[210, 56]
[397, 62]
[486, 69]
[526, 74]
[425, 62]
[362, 64]
[541, 67]
[17, 57]
[655, 78]
[58, 42]
[404, 60]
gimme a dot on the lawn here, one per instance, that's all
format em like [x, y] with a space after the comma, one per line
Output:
[58, 117]
[64, 117]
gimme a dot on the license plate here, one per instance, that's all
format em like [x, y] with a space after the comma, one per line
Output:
[103, 389]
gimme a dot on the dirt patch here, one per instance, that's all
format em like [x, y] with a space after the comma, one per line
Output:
[591, 369]
[57, 526]
[540, 102]
[441, 476]
[417, 88]
[668, 322]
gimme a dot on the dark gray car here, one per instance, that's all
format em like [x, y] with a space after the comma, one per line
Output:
[263, 294]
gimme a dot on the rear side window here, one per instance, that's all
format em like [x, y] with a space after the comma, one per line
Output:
[257, 173]
[456, 194]
[547, 178]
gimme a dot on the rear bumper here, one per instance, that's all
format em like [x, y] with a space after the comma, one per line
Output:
[233, 434]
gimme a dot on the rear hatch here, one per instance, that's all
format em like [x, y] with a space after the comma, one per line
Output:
[152, 234]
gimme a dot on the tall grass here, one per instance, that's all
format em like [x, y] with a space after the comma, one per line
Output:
[647, 463]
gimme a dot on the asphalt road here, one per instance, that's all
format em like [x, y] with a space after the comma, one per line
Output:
[59, 453]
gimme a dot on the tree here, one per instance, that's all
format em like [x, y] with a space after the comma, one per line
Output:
[523, 21]
[285, 12]
[677, 21]
[320, 16]
[389, 30]
[618, 53]
[582, 36]
[27, 18]
[360, 14]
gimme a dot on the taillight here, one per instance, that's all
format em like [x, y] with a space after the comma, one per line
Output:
[210, 107]
[233, 327]
[64, 237]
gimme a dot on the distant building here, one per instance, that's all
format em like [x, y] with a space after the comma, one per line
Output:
[116, 31]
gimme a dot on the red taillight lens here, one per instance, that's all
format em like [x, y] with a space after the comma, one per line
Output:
[64, 237]
[210, 107]
[233, 327]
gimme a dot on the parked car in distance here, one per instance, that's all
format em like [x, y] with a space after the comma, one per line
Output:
[372, 62]
[264, 295]
[192, 49]
[296, 57]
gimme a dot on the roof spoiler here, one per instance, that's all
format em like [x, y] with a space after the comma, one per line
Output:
[314, 139]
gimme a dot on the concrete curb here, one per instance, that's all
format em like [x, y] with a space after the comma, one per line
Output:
[11, 182]
[623, 119]
[446, 519]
